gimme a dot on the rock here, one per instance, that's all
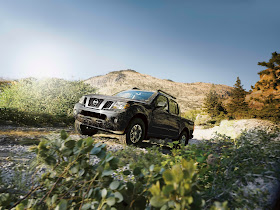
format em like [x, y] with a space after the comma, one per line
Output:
[211, 159]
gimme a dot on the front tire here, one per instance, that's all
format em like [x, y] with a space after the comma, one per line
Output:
[134, 133]
[84, 130]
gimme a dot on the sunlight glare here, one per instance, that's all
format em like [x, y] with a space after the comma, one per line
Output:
[42, 60]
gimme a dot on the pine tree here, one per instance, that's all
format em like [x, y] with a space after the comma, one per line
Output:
[273, 66]
[212, 104]
[237, 107]
[273, 63]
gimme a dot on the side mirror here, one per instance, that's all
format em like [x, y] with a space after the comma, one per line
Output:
[161, 104]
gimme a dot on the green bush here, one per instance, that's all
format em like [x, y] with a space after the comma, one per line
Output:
[179, 189]
[207, 121]
[202, 119]
[46, 101]
[129, 156]
[226, 166]
[212, 175]
[4, 84]
[270, 109]
[15, 116]
[191, 114]
[75, 181]
[212, 104]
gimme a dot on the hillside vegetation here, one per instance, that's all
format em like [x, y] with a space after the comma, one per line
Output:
[189, 95]
[4, 83]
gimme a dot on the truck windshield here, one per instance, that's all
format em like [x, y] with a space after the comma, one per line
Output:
[135, 94]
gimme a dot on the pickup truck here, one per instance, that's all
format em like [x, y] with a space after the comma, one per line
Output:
[135, 115]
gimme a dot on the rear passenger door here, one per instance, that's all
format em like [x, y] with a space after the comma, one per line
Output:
[160, 118]
[174, 119]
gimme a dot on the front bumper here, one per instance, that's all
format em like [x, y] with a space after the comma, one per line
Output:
[113, 121]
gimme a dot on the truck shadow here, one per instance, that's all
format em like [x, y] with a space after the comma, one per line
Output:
[164, 148]
[161, 144]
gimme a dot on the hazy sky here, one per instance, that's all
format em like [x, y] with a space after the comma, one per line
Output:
[183, 40]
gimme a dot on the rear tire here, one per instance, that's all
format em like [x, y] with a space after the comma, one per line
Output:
[84, 130]
[134, 133]
[183, 139]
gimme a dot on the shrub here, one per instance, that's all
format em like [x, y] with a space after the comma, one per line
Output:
[80, 175]
[202, 119]
[15, 116]
[3, 84]
[212, 104]
[191, 114]
[207, 122]
[179, 188]
[227, 166]
[129, 156]
[42, 101]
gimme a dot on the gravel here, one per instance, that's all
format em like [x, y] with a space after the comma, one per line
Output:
[16, 160]
[233, 128]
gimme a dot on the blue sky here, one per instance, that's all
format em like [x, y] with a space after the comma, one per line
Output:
[182, 40]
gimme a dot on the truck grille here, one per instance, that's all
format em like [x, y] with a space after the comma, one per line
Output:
[95, 102]
[108, 104]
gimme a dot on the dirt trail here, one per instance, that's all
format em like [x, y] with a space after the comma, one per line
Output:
[26, 136]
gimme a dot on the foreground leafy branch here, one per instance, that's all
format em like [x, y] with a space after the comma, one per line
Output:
[82, 175]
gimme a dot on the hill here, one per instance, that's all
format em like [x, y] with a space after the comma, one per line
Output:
[189, 95]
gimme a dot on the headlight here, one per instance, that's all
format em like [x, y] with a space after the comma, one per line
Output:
[82, 100]
[121, 105]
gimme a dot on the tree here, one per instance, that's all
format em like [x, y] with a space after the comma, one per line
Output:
[273, 63]
[237, 106]
[212, 104]
[270, 109]
[273, 69]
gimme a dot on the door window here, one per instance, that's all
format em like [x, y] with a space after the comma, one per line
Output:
[162, 100]
[173, 107]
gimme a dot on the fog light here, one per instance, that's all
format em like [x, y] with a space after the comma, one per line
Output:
[115, 120]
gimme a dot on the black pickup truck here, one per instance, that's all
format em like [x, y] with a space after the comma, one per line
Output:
[134, 114]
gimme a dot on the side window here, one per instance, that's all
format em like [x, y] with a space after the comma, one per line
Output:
[162, 100]
[173, 107]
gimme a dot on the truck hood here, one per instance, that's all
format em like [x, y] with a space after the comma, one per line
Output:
[114, 98]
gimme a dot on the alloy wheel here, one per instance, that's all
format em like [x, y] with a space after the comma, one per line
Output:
[135, 133]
